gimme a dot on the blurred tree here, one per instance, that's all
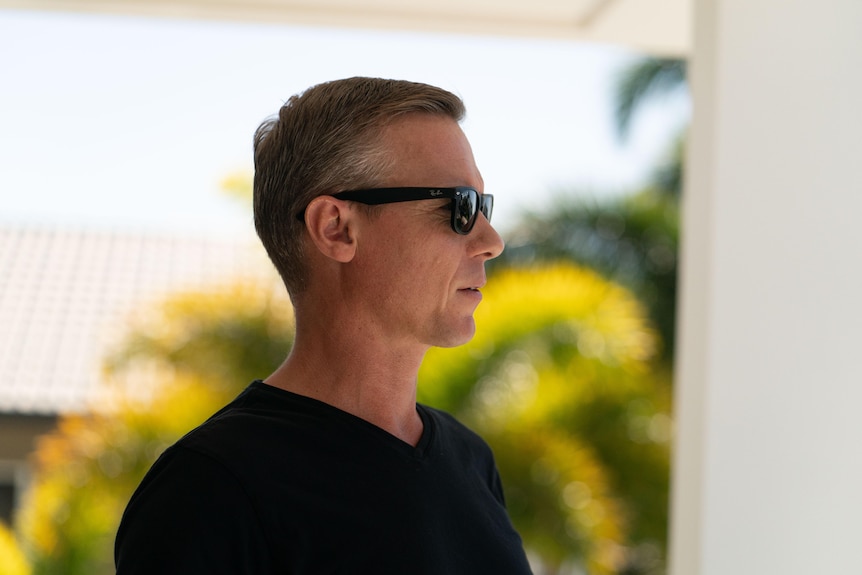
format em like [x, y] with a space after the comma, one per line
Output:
[228, 336]
[12, 559]
[631, 239]
[87, 470]
[202, 349]
[637, 84]
[641, 80]
[560, 380]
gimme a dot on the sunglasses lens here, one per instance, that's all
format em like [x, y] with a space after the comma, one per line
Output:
[487, 206]
[464, 207]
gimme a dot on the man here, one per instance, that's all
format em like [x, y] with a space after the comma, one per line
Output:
[369, 203]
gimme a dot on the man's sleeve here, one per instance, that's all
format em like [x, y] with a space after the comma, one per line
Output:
[190, 515]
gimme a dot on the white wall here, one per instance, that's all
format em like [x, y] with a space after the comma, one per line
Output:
[768, 464]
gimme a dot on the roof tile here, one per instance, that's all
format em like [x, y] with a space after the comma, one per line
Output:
[64, 294]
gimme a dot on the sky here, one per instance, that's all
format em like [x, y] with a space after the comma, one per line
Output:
[128, 123]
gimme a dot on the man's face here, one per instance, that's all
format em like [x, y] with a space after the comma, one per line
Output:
[419, 279]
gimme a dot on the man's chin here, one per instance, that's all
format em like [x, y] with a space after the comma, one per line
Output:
[458, 337]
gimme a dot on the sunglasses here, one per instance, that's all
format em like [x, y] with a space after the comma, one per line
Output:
[466, 202]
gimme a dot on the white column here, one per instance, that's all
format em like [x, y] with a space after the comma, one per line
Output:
[768, 463]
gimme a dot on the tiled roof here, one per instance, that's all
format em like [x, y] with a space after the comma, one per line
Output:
[65, 293]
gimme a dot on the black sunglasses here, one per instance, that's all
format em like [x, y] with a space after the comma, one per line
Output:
[466, 201]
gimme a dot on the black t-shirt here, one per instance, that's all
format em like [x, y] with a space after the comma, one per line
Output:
[280, 483]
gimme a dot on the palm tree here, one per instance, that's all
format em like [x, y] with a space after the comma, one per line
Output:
[562, 380]
[559, 379]
[202, 348]
[631, 239]
[637, 84]
[641, 80]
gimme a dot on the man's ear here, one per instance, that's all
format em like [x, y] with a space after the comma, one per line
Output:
[331, 227]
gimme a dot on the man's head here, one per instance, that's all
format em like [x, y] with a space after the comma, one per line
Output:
[324, 141]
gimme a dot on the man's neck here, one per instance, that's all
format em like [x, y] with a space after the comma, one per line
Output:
[362, 376]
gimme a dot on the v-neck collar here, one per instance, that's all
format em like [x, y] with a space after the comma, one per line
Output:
[419, 451]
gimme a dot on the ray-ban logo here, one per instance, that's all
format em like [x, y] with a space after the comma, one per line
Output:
[436, 193]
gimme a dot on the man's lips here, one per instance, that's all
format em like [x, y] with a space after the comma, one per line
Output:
[472, 290]
[472, 294]
[474, 287]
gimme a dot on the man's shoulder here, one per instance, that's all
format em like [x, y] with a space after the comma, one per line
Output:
[260, 418]
[452, 430]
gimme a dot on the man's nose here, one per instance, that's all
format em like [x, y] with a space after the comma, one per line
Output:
[488, 242]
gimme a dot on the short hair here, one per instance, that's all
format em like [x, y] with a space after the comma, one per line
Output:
[323, 141]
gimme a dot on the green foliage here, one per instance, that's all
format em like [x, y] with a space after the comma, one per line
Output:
[227, 337]
[12, 559]
[644, 78]
[87, 471]
[204, 349]
[667, 178]
[560, 380]
[632, 240]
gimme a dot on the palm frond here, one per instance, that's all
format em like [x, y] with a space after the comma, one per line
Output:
[643, 79]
